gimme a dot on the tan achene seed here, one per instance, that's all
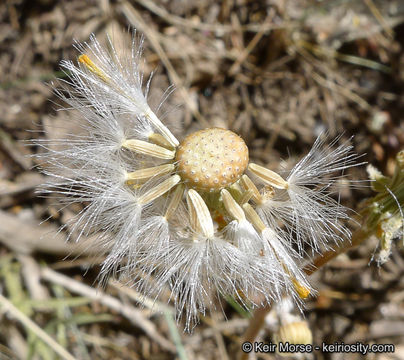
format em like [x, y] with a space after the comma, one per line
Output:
[199, 214]
[211, 159]
[254, 218]
[149, 114]
[145, 148]
[232, 207]
[159, 190]
[246, 196]
[175, 201]
[268, 176]
[160, 140]
[142, 175]
[250, 186]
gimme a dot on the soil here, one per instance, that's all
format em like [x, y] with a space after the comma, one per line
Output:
[278, 73]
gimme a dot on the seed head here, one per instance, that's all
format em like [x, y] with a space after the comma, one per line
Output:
[185, 214]
[212, 159]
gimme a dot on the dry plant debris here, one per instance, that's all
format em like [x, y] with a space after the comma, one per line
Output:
[277, 73]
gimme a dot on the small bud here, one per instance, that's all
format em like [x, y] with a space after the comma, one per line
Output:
[400, 159]
[379, 181]
[386, 231]
[297, 333]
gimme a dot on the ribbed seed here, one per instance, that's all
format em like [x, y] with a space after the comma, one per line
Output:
[162, 128]
[232, 207]
[159, 190]
[145, 174]
[246, 196]
[175, 201]
[84, 59]
[254, 218]
[269, 176]
[199, 214]
[143, 147]
[301, 290]
[249, 185]
[235, 191]
[159, 139]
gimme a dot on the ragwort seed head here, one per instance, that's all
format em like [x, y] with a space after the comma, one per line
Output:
[185, 215]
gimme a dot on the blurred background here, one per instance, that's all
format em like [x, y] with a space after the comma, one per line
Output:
[277, 72]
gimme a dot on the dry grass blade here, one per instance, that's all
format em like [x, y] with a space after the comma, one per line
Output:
[172, 326]
[134, 295]
[136, 20]
[30, 325]
[277, 73]
[222, 28]
[252, 44]
[133, 315]
[23, 237]
[376, 12]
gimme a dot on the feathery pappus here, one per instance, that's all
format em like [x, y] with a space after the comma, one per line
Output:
[193, 215]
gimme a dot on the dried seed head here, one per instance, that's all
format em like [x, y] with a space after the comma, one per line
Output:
[220, 243]
[212, 159]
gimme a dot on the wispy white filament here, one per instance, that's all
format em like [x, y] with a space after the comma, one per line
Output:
[307, 208]
[163, 235]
